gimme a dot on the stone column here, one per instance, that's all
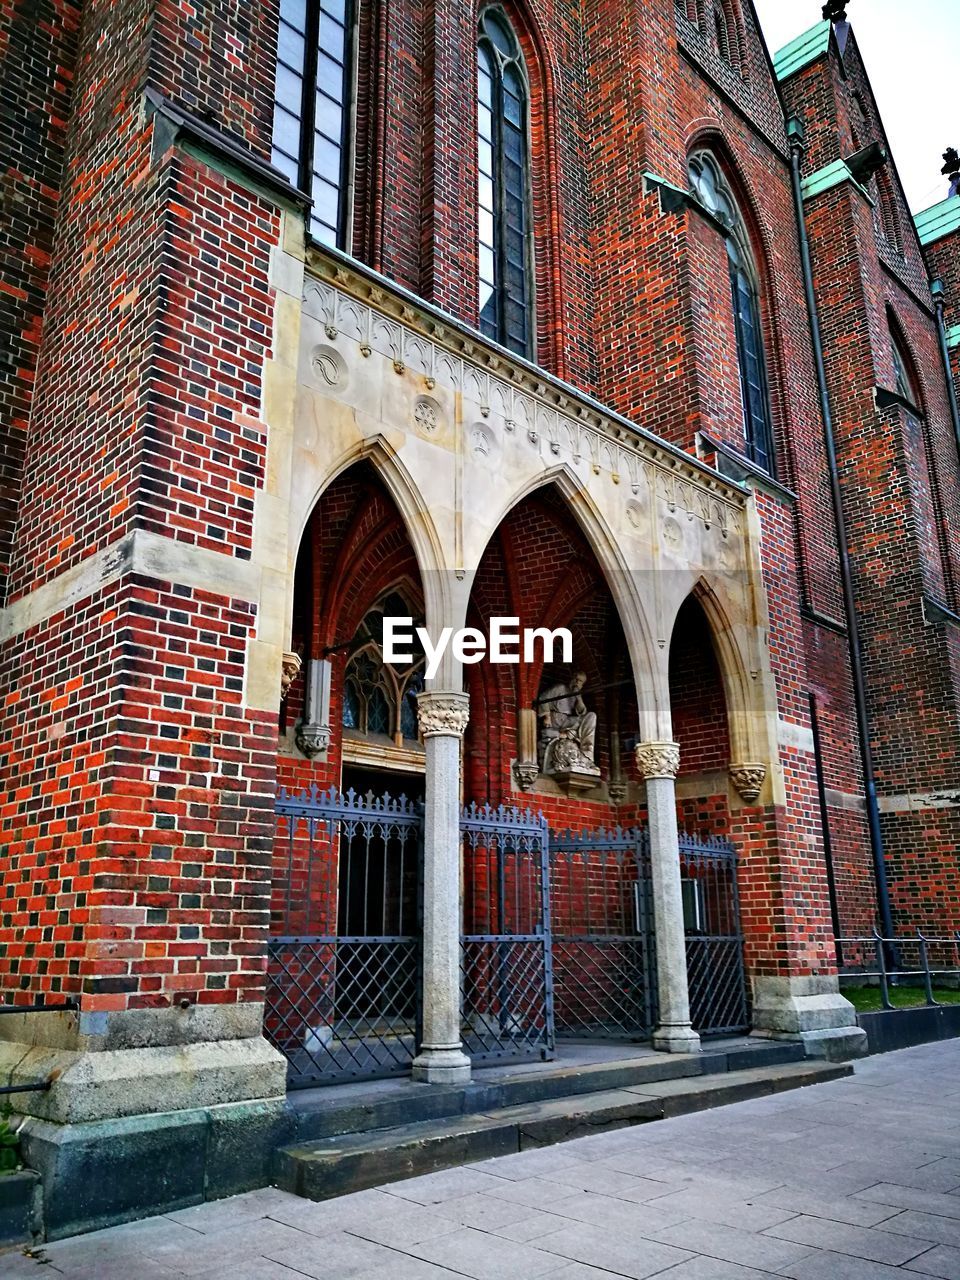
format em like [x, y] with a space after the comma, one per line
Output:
[441, 1060]
[658, 763]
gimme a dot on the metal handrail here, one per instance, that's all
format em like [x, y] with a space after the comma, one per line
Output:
[38, 1086]
[890, 970]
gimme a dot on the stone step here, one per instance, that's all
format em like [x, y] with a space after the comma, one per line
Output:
[335, 1166]
[362, 1107]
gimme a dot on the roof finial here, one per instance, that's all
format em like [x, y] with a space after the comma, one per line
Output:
[835, 10]
[951, 169]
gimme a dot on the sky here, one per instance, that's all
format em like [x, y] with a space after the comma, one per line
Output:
[910, 49]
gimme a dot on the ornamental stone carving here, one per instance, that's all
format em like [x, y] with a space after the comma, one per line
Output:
[569, 730]
[748, 779]
[313, 739]
[292, 662]
[658, 759]
[443, 714]
[526, 772]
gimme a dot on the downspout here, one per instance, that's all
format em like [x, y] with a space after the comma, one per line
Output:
[936, 288]
[795, 135]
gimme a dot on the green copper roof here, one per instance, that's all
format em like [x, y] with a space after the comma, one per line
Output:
[939, 221]
[830, 176]
[953, 337]
[794, 56]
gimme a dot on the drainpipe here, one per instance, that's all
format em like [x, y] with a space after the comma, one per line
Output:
[795, 135]
[936, 288]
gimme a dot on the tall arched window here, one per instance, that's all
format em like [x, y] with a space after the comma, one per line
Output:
[311, 111]
[715, 195]
[907, 386]
[503, 191]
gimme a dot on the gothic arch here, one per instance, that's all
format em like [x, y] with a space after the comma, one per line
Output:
[739, 692]
[652, 695]
[414, 514]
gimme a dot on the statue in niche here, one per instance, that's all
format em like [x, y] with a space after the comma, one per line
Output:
[568, 730]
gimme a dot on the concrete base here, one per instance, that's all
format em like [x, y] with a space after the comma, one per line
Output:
[441, 1066]
[103, 1172]
[809, 1009]
[88, 1086]
[676, 1039]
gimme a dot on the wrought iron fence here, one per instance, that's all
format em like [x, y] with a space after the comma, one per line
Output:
[603, 952]
[711, 912]
[343, 996]
[911, 960]
[506, 973]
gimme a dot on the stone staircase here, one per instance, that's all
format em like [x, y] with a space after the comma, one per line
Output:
[369, 1135]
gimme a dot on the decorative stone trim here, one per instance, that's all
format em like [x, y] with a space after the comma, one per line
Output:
[292, 662]
[526, 772]
[443, 714]
[313, 739]
[748, 779]
[658, 759]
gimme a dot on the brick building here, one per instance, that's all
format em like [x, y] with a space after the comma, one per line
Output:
[590, 315]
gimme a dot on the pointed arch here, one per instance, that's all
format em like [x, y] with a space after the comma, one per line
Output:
[414, 513]
[652, 694]
[732, 667]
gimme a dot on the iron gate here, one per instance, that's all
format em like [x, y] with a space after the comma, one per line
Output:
[343, 991]
[711, 913]
[506, 978]
[602, 934]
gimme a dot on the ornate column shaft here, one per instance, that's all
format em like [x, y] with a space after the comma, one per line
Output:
[441, 1060]
[658, 762]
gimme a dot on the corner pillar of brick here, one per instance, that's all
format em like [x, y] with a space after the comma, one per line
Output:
[658, 763]
[441, 1060]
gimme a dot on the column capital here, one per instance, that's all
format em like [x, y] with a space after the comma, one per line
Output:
[443, 714]
[658, 759]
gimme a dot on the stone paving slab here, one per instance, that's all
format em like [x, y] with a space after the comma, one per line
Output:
[855, 1179]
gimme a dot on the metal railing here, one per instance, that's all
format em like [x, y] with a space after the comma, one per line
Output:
[37, 1086]
[906, 961]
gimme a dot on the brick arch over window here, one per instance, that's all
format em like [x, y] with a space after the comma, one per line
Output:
[544, 180]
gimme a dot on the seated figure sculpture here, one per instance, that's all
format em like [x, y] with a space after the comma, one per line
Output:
[568, 730]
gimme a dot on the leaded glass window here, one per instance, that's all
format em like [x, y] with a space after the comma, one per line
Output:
[310, 123]
[380, 699]
[503, 186]
[715, 195]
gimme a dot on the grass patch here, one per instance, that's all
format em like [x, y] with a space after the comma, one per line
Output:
[867, 999]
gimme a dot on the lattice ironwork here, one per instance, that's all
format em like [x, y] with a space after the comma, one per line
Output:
[602, 922]
[506, 974]
[711, 910]
[343, 995]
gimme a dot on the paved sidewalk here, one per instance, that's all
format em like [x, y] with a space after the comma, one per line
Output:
[854, 1180]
